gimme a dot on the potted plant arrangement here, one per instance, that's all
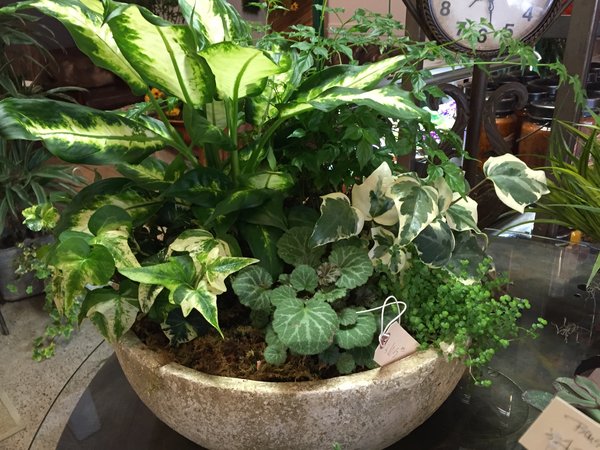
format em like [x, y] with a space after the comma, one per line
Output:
[289, 256]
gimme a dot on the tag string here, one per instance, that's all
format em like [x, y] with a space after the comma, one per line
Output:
[383, 335]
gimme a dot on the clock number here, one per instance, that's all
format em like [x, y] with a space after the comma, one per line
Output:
[528, 14]
[482, 36]
[445, 9]
[460, 25]
[508, 27]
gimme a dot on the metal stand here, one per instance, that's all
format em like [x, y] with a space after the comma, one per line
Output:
[3, 326]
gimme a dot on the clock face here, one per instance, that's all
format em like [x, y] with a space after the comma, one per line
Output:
[521, 17]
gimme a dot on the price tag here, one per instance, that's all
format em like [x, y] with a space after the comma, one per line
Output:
[396, 345]
[561, 426]
[595, 376]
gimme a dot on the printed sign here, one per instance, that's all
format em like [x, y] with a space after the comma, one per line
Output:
[397, 345]
[562, 427]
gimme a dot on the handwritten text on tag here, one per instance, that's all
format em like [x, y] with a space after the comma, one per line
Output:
[396, 345]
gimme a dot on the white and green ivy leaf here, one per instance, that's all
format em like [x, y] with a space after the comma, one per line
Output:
[216, 270]
[435, 244]
[370, 199]
[147, 294]
[462, 215]
[516, 185]
[306, 328]
[339, 220]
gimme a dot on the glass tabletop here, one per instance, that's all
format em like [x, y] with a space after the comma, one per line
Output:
[551, 274]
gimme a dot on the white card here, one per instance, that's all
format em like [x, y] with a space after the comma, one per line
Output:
[397, 345]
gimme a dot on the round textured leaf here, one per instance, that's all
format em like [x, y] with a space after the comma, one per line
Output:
[282, 294]
[304, 278]
[305, 328]
[252, 287]
[354, 264]
[348, 316]
[358, 335]
[294, 248]
[345, 363]
[275, 354]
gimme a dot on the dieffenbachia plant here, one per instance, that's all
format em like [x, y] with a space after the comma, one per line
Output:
[120, 249]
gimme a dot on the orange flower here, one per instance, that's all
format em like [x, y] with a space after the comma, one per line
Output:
[173, 112]
[294, 6]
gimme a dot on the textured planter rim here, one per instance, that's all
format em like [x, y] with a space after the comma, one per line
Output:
[185, 399]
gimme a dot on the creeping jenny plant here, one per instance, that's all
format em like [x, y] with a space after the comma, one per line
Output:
[163, 241]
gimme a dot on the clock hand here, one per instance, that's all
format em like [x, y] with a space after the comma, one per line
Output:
[491, 8]
[474, 1]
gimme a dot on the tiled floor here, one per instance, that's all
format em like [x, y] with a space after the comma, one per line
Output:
[44, 393]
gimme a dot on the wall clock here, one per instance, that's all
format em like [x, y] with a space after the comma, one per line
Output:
[525, 19]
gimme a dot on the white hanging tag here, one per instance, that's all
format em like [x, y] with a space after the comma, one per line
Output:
[394, 345]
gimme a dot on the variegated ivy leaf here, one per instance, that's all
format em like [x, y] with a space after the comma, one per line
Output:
[307, 327]
[516, 185]
[85, 22]
[76, 133]
[445, 196]
[435, 244]
[339, 220]
[164, 55]
[79, 264]
[417, 206]
[197, 240]
[462, 215]
[294, 247]
[469, 253]
[112, 314]
[386, 251]
[359, 334]
[369, 197]
[199, 298]
[304, 278]
[252, 286]
[239, 71]
[354, 264]
[178, 270]
[214, 20]
[147, 294]
[217, 269]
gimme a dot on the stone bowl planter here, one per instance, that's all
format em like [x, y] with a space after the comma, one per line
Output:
[367, 410]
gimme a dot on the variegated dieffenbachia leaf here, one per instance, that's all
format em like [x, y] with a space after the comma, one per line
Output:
[369, 197]
[358, 334]
[112, 313]
[462, 215]
[215, 20]
[304, 278]
[149, 174]
[354, 264]
[416, 204]
[164, 55]
[307, 327]
[252, 286]
[239, 71]
[516, 185]
[279, 181]
[85, 22]
[295, 249]
[77, 133]
[435, 244]
[339, 220]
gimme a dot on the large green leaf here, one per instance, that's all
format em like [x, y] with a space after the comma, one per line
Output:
[262, 241]
[359, 334]
[195, 241]
[252, 286]
[516, 185]
[80, 265]
[270, 214]
[200, 299]
[164, 55]
[239, 71]
[435, 244]
[77, 133]
[239, 200]
[85, 22]
[416, 204]
[339, 220]
[391, 101]
[201, 186]
[113, 314]
[354, 264]
[117, 243]
[215, 20]
[306, 328]
[149, 174]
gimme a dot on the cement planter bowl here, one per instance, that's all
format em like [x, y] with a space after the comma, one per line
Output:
[367, 410]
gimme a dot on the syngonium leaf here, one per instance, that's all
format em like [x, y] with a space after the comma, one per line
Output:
[117, 243]
[354, 264]
[80, 264]
[163, 54]
[109, 217]
[516, 185]
[358, 334]
[76, 133]
[215, 20]
[339, 220]
[252, 286]
[111, 312]
[416, 204]
[85, 22]
[369, 197]
[307, 327]
[239, 71]
[435, 244]
[294, 247]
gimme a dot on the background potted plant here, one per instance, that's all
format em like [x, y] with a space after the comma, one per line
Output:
[307, 195]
